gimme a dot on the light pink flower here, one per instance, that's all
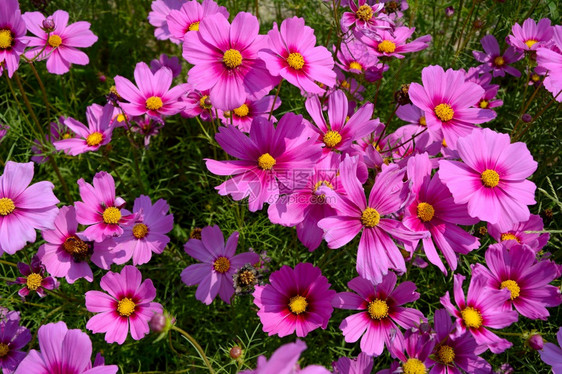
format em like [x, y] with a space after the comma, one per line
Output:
[191, 13]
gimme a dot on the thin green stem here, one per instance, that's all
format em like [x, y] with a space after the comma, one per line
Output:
[8, 263]
[43, 91]
[275, 99]
[197, 347]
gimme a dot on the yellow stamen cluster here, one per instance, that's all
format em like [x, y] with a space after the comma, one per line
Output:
[295, 60]
[7, 206]
[484, 104]
[4, 349]
[232, 58]
[345, 85]
[323, 183]
[490, 178]
[246, 278]
[509, 236]
[364, 13]
[386, 46]
[266, 161]
[111, 216]
[471, 317]
[222, 264]
[126, 307]
[194, 26]
[355, 65]
[94, 139]
[204, 103]
[423, 122]
[154, 103]
[499, 61]
[67, 136]
[425, 212]
[531, 42]
[446, 354]
[121, 118]
[75, 246]
[34, 281]
[414, 366]
[370, 217]
[242, 110]
[332, 138]
[444, 112]
[298, 304]
[535, 77]
[6, 39]
[378, 309]
[140, 230]
[444, 143]
[513, 287]
[54, 41]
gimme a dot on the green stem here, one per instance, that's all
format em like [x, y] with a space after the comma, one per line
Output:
[8, 263]
[197, 347]
[43, 91]
[275, 99]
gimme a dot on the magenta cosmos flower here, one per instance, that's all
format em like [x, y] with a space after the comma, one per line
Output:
[23, 208]
[532, 35]
[552, 354]
[433, 209]
[354, 57]
[157, 18]
[381, 311]
[100, 208]
[153, 95]
[13, 338]
[412, 353]
[447, 101]
[298, 299]
[362, 364]
[147, 234]
[550, 59]
[285, 361]
[172, 63]
[34, 278]
[392, 43]
[191, 13]
[377, 252]
[197, 103]
[492, 177]
[59, 46]
[268, 158]
[219, 263]
[63, 351]
[243, 116]
[364, 17]
[12, 36]
[293, 56]
[481, 309]
[522, 233]
[527, 281]
[225, 59]
[91, 138]
[126, 305]
[493, 60]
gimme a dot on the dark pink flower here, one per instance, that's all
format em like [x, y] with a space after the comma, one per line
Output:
[12, 36]
[496, 62]
[34, 278]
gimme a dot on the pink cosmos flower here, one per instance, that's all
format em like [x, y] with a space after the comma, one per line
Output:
[493, 60]
[91, 138]
[243, 116]
[550, 59]
[447, 100]
[153, 95]
[362, 364]
[147, 234]
[23, 208]
[433, 209]
[531, 36]
[354, 57]
[126, 305]
[349, 85]
[365, 18]
[293, 56]
[191, 13]
[492, 177]
[172, 63]
[12, 36]
[520, 233]
[392, 43]
[59, 46]
[62, 351]
[285, 361]
[157, 18]
[340, 131]
[197, 103]
[268, 158]
[225, 59]
[481, 309]
[147, 126]
[527, 281]
[412, 353]
[34, 278]
[296, 299]
[377, 252]
[13, 338]
[551, 354]
[381, 311]
[219, 263]
[101, 209]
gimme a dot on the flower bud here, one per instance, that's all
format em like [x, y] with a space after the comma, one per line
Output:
[48, 24]
[536, 342]
[235, 352]
[157, 323]
[477, 24]
[526, 118]
[449, 11]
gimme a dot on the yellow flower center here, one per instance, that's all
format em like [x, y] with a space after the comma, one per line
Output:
[194, 26]
[54, 41]
[444, 143]
[355, 65]
[414, 366]
[7, 206]
[446, 354]
[370, 217]
[332, 138]
[4, 349]
[94, 139]
[323, 183]
[535, 77]
[378, 309]
[242, 110]
[126, 307]
[154, 103]
[513, 287]
[121, 118]
[444, 112]
[295, 60]
[246, 278]
[499, 61]
[67, 136]
[6, 39]
[232, 58]
[484, 104]
[471, 317]
[140, 230]
[531, 42]
[111, 216]
[364, 13]
[75, 246]
[298, 304]
[425, 212]
[203, 102]
[490, 178]
[509, 236]
[266, 162]
[346, 85]
[423, 122]
[386, 46]
[222, 264]
[34, 281]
